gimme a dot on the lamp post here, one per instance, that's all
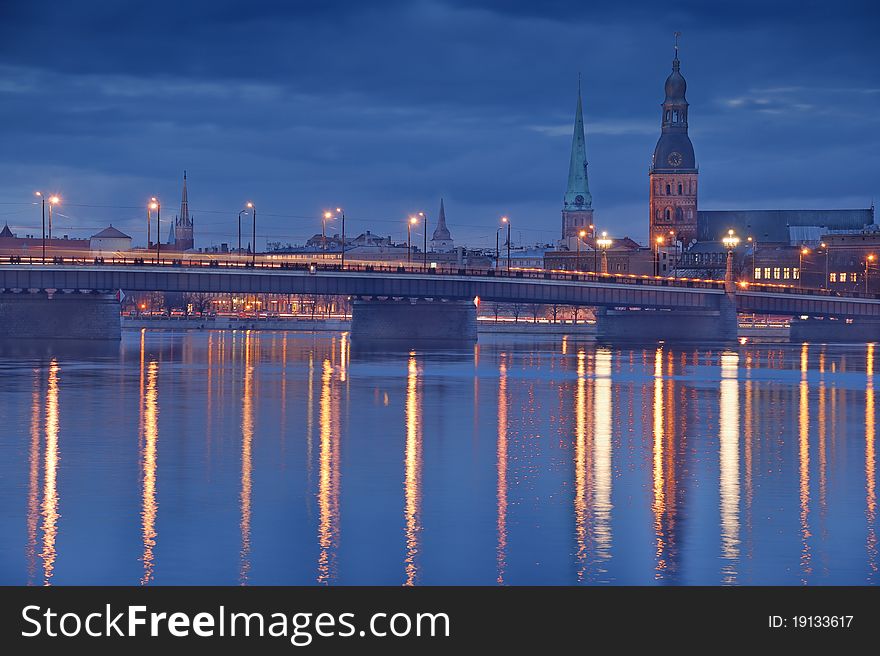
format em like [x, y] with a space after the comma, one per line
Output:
[158, 220]
[412, 221]
[804, 251]
[425, 240]
[42, 198]
[504, 219]
[497, 232]
[754, 244]
[659, 242]
[870, 258]
[604, 242]
[577, 263]
[238, 251]
[730, 242]
[674, 242]
[324, 218]
[342, 212]
[53, 200]
[825, 249]
[253, 209]
[152, 205]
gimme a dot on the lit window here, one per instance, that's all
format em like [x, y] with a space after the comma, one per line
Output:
[777, 274]
[786, 273]
[757, 273]
[833, 277]
[767, 273]
[796, 273]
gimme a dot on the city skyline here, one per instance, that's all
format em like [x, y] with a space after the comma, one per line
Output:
[110, 132]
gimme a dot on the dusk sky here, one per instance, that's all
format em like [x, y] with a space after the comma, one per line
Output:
[385, 106]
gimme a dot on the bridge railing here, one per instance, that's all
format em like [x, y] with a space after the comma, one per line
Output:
[244, 263]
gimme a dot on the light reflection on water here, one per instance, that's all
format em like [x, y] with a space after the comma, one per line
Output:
[522, 461]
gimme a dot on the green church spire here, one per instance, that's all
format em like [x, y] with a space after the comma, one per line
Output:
[577, 194]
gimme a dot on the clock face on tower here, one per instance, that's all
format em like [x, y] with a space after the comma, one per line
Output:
[579, 200]
[674, 159]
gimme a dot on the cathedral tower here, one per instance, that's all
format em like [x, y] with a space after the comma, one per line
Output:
[577, 206]
[673, 173]
[183, 224]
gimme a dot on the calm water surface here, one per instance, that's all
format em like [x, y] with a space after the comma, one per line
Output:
[285, 458]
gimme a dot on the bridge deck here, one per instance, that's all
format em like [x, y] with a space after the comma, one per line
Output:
[213, 275]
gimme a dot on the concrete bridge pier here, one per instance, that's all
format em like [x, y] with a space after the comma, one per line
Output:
[58, 315]
[705, 325]
[414, 321]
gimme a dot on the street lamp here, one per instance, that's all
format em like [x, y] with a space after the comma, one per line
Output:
[504, 219]
[42, 198]
[158, 208]
[674, 242]
[253, 209]
[152, 205]
[804, 251]
[326, 217]
[342, 213]
[604, 242]
[412, 221]
[730, 242]
[425, 242]
[754, 244]
[238, 252]
[659, 241]
[868, 261]
[581, 235]
[500, 228]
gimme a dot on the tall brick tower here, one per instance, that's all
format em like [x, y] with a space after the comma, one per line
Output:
[577, 205]
[673, 174]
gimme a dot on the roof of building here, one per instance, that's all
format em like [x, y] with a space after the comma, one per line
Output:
[110, 233]
[6, 232]
[775, 225]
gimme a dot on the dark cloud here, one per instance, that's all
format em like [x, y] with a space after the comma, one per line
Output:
[385, 106]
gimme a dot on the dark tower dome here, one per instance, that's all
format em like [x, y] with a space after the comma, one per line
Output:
[675, 84]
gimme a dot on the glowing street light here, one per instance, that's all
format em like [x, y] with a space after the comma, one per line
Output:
[604, 243]
[804, 251]
[730, 241]
[152, 205]
[253, 208]
[53, 200]
[659, 241]
[504, 220]
[425, 237]
[870, 258]
[581, 235]
[412, 221]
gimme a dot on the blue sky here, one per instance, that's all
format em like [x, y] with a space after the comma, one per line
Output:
[384, 107]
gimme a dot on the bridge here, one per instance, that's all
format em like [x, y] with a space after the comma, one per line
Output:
[413, 298]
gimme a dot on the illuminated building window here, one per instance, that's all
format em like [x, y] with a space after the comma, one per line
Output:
[777, 273]
[796, 273]
[832, 277]
[786, 273]
[767, 273]
[757, 273]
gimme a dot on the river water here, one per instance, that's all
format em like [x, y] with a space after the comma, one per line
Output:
[295, 458]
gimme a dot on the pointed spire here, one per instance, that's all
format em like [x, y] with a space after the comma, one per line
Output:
[184, 220]
[577, 193]
[441, 233]
[675, 63]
